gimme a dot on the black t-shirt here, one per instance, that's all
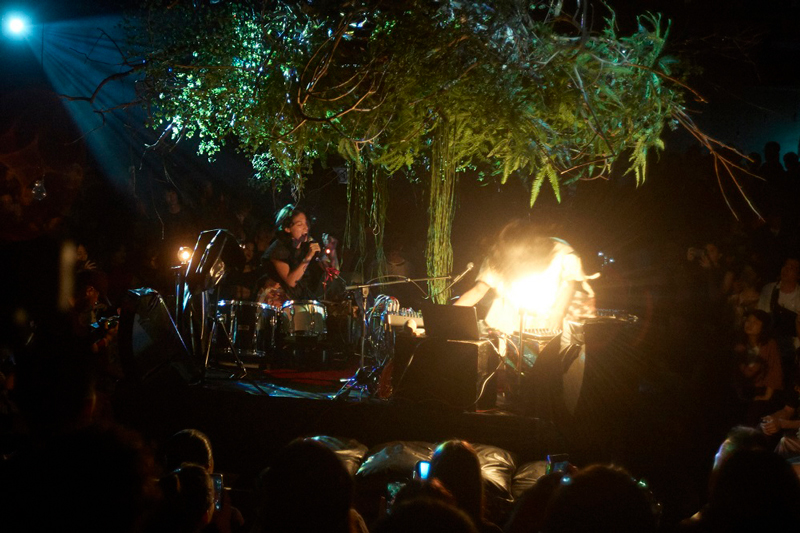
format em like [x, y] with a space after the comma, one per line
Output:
[310, 285]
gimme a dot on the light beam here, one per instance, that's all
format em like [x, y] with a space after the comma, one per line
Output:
[15, 25]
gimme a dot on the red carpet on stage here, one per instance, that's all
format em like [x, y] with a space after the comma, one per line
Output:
[310, 377]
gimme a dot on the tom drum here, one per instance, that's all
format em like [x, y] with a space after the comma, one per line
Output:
[303, 319]
[250, 325]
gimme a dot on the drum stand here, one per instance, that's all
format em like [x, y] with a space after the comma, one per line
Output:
[218, 322]
[366, 378]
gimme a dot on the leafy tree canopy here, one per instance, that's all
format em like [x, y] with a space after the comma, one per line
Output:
[529, 89]
[510, 87]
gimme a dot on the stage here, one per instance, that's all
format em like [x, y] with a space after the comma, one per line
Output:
[410, 388]
[611, 403]
[250, 419]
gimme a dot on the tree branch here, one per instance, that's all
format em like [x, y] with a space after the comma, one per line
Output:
[91, 99]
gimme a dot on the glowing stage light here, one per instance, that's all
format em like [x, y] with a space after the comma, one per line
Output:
[184, 254]
[15, 25]
[536, 294]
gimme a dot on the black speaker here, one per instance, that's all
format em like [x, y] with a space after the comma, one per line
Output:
[149, 342]
[457, 374]
[587, 390]
[613, 368]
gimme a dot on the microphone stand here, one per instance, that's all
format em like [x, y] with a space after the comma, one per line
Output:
[395, 282]
[364, 377]
[458, 278]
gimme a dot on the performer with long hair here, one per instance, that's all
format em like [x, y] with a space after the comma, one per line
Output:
[288, 260]
[535, 275]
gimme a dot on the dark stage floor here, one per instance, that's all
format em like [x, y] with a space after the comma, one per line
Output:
[250, 418]
[428, 417]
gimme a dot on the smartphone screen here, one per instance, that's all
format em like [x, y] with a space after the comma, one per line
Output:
[558, 462]
[218, 488]
[422, 469]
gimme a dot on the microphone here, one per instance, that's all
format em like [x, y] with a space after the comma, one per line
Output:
[470, 266]
[310, 240]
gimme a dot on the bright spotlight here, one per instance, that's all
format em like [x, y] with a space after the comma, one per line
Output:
[15, 25]
[185, 254]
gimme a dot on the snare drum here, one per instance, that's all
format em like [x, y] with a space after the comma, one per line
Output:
[303, 319]
[250, 325]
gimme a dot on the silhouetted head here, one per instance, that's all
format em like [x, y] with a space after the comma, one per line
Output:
[754, 490]
[455, 464]
[307, 489]
[772, 151]
[188, 500]
[188, 446]
[426, 515]
[791, 161]
[530, 509]
[55, 385]
[740, 438]
[96, 479]
[600, 498]
[428, 489]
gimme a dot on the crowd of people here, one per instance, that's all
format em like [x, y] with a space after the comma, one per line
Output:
[101, 477]
[729, 305]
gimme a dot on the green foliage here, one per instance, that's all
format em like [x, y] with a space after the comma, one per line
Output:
[516, 89]
[292, 83]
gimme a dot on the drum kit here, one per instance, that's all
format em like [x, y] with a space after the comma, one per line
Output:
[264, 335]
[272, 334]
[260, 333]
[233, 331]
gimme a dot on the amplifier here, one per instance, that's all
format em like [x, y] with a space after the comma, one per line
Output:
[457, 374]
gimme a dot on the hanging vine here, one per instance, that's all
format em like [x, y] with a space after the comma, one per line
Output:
[355, 236]
[380, 203]
[367, 202]
[441, 208]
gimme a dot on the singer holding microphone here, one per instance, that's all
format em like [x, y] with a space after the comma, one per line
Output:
[290, 258]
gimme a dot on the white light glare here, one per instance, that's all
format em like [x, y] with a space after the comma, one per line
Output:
[15, 25]
[536, 293]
